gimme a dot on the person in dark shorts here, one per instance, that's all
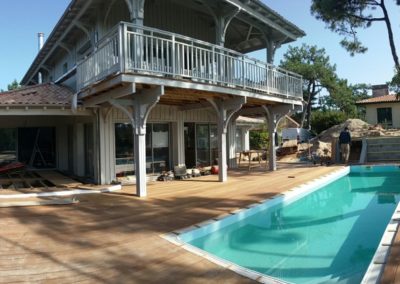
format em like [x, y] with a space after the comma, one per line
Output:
[345, 141]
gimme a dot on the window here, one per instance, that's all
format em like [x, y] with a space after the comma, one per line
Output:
[123, 144]
[385, 116]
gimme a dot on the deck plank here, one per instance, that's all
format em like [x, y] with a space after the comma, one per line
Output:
[115, 237]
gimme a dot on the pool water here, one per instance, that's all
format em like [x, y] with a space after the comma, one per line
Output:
[327, 236]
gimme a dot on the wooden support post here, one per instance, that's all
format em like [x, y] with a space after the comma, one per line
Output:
[225, 110]
[232, 147]
[274, 114]
[142, 103]
[104, 155]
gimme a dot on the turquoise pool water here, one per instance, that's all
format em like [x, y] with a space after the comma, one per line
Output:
[329, 235]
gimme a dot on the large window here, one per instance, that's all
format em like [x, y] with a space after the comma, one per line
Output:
[37, 146]
[157, 148]
[123, 144]
[160, 147]
[385, 116]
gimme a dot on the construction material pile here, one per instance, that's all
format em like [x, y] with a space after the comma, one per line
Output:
[357, 128]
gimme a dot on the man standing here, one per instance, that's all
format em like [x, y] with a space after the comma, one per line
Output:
[345, 141]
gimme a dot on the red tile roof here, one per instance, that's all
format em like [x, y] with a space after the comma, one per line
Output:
[381, 99]
[38, 95]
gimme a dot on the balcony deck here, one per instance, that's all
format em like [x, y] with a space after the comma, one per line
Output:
[129, 49]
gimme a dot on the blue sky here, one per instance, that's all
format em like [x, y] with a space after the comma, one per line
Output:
[21, 20]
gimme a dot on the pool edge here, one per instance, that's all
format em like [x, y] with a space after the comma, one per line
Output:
[378, 263]
[308, 186]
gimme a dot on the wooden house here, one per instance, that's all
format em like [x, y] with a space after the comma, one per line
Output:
[139, 86]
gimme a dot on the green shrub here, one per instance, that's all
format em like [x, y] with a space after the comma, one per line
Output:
[258, 139]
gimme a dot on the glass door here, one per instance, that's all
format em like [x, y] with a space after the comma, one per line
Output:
[190, 144]
[203, 144]
[160, 143]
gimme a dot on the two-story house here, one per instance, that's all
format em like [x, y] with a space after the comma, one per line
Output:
[142, 85]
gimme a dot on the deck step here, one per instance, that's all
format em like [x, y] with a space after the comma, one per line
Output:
[383, 149]
[37, 201]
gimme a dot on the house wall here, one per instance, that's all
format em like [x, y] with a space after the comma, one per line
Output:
[371, 115]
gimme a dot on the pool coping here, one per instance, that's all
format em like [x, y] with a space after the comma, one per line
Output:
[307, 187]
[377, 265]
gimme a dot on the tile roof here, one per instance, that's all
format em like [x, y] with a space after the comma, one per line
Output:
[381, 99]
[38, 95]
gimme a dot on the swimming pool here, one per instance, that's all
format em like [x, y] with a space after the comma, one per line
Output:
[327, 231]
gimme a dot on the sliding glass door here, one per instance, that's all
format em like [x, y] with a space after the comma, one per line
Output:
[201, 144]
[157, 148]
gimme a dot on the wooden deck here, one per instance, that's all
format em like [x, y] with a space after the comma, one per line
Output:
[115, 238]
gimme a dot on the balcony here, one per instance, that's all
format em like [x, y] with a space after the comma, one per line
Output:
[141, 50]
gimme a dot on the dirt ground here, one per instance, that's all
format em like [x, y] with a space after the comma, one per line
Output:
[320, 146]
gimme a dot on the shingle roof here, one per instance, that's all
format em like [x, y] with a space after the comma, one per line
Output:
[381, 99]
[38, 95]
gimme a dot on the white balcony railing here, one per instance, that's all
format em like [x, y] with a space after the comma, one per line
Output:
[133, 49]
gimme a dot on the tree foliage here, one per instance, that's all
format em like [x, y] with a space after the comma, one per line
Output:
[344, 96]
[14, 85]
[317, 71]
[345, 17]
[258, 139]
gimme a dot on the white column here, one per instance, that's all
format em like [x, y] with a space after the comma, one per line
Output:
[271, 48]
[222, 161]
[136, 10]
[178, 141]
[143, 103]
[225, 110]
[273, 115]
[272, 147]
[246, 138]
[79, 149]
[140, 160]
[181, 139]
[104, 147]
[232, 147]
